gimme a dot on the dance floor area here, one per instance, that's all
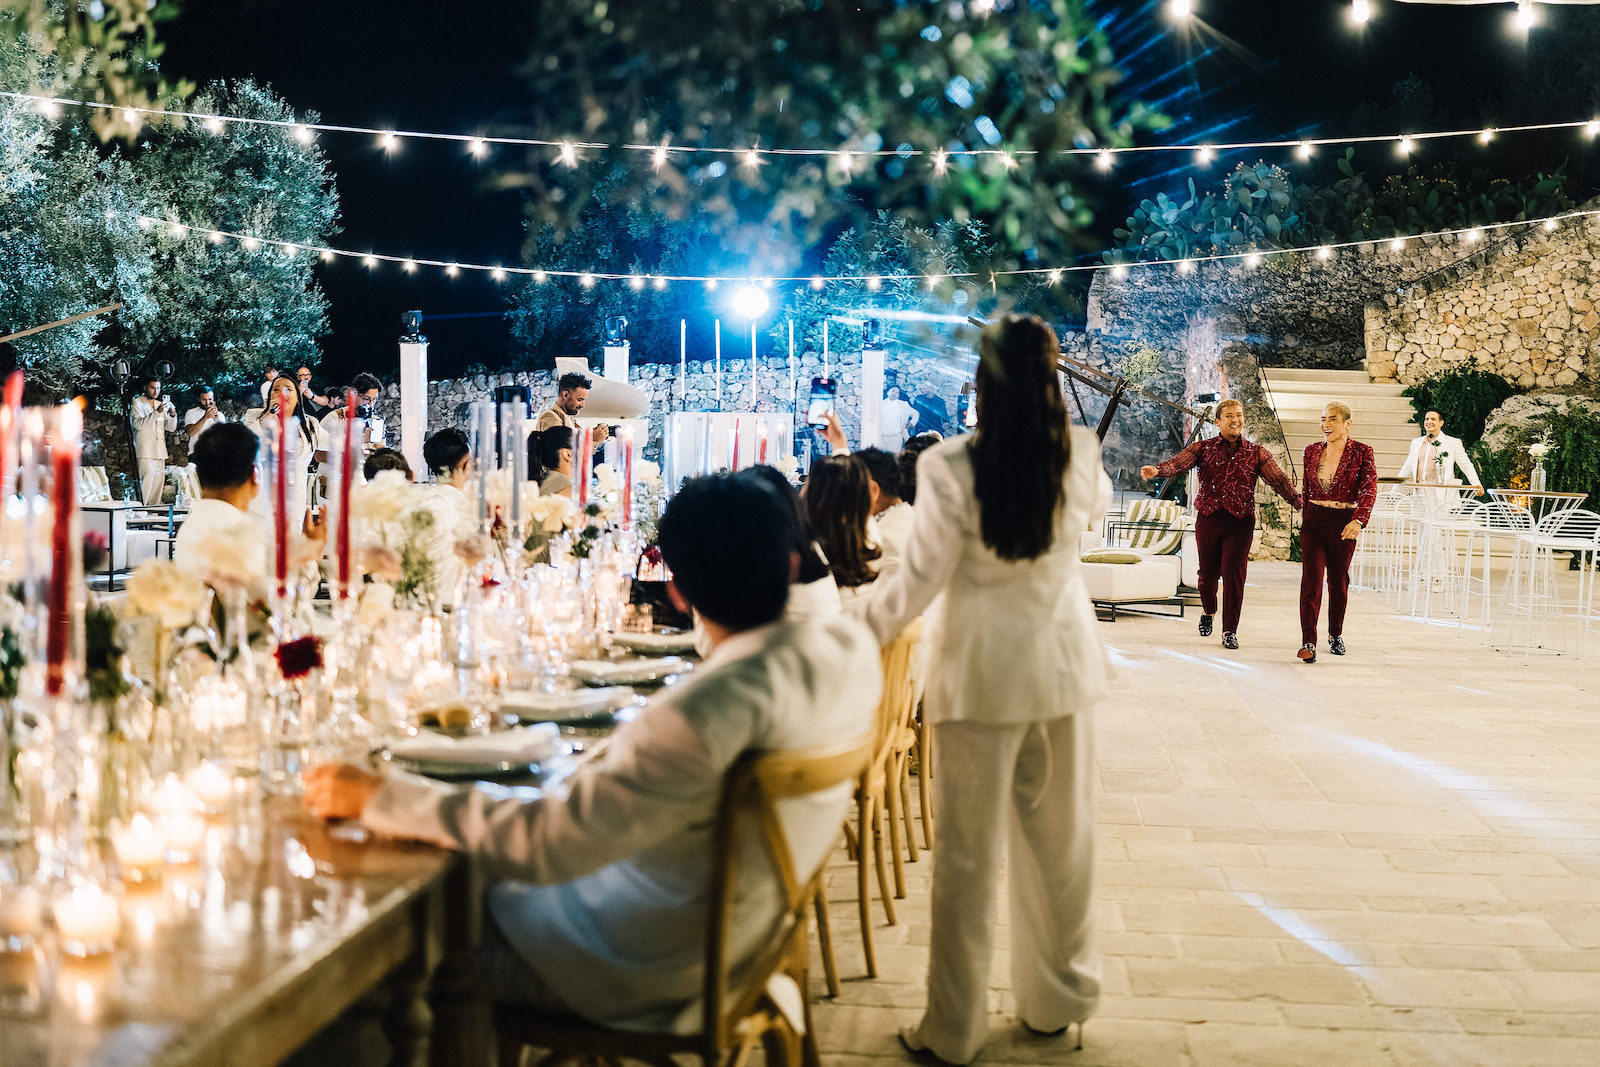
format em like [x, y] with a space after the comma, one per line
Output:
[1389, 858]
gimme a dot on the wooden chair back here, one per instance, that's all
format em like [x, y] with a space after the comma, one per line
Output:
[751, 792]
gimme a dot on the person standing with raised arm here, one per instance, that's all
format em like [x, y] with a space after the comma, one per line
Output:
[1229, 466]
[1341, 487]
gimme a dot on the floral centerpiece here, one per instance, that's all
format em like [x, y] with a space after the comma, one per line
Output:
[1537, 452]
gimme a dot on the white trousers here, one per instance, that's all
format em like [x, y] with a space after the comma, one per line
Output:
[152, 479]
[1029, 786]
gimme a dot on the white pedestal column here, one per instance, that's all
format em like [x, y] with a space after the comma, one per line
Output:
[616, 362]
[871, 396]
[414, 401]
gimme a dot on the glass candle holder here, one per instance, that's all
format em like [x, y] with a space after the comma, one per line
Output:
[140, 847]
[87, 921]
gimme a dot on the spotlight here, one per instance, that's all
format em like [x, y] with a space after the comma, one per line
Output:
[1360, 12]
[751, 302]
[410, 323]
[616, 330]
[871, 333]
[1525, 15]
[1179, 10]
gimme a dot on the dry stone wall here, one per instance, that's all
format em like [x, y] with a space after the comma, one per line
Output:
[1526, 308]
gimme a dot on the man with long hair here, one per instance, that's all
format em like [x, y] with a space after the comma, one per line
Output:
[1229, 467]
[1014, 668]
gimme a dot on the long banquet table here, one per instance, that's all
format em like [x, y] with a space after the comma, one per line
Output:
[281, 927]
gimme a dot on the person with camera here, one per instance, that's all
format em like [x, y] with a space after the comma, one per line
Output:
[153, 418]
[204, 415]
[367, 390]
[315, 403]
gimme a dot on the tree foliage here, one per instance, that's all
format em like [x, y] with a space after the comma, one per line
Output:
[896, 76]
[104, 50]
[1464, 399]
[70, 239]
[1259, 207]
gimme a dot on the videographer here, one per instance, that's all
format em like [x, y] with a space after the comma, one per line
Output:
[204, 415]
[367, 390]
[153, 418]
[314, 403]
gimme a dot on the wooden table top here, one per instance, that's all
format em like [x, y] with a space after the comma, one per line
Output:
[238, 958]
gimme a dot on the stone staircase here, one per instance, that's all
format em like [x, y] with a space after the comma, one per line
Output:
[1382, 417]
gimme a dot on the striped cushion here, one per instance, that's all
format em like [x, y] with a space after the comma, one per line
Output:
[1164, 534]
[93, 485]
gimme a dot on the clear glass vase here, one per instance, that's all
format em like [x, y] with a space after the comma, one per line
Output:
[1536, 480]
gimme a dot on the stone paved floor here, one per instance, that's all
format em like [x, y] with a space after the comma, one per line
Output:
[1393, 858]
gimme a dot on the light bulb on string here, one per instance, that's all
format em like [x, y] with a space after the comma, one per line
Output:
[369, 261]
[660, 284]
[1397, 245]
[752, 159]
[540, 277]
[711, 285]
[452, 270]
[1404, 146]
[303, 134]
[1119, 272]
[327, 255]
[569, 154]
[1360, 12]
[1055, 277]
[1185, 266]
[251, 244]
[1008, 161]
[816, 283]
[1592, 128]
[586, 280]
[1526, 17]
[750, 303]
[409, 265]
[1324, 253]
[1304, 150]
[941, 161]
[290, 251]
[1485, 136]
[176, 229]
[387, 141]
[498, 274]
[1204, 154]
[130, 116]
[658, 156]
[1253, 260]
[845, 162]
[1104, 159]
[1474, 235]
[874, 283]
[49, 108]
[478, 147]
[931, 282]
[215, 237]
[635, 282]
[1549, 225]
[215, 125]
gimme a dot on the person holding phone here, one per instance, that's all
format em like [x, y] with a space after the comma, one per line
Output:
[204, 415]
[153, 418]
[304, 441]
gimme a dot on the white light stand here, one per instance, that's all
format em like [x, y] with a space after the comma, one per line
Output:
[413, 398]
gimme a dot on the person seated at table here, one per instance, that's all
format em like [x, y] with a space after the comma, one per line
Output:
[1438, 457]
[601, 906]
[813, 594]
[220, 523]
[891, 516]
[837, 499]
[448, 455]
[387, 459]
[555, 460]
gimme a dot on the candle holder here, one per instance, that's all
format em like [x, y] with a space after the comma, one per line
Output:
[140, 847]
[21, 909]
[87, 919]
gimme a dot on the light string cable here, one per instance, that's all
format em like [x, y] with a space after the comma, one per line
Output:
[178, 230]
[567, 151]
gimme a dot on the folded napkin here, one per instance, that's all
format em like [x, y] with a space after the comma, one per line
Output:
[682, 641]
[532, 702]
[629, 669]
[524, 744]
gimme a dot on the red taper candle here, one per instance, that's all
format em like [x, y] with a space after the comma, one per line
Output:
[63, 553]
[280, 505]
[347, 467]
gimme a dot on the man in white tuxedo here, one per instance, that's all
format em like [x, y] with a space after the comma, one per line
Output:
[602, 904]
[1438, 457]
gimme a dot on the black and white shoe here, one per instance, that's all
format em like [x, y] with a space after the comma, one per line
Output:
[1307, 653]
[1230, 640]
[1205, 626]
[1336, 645]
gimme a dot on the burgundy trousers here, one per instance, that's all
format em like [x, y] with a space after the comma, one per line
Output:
[1223, 539]
[1323, 550]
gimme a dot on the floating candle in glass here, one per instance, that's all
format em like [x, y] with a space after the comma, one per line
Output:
[87, 919]
[141, 847]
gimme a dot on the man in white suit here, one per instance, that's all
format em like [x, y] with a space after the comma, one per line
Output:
[1438, 457]
[153, 418]
[602, 910]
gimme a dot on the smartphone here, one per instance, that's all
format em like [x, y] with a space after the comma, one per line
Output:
[824, 392]
[967, 410]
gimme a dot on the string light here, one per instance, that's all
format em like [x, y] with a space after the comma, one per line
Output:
[568, 151]
[752, 159]
[1525, 15]
[1486, 136]
[49, 108]
[1007, 161]
[874, 282]
[1360, 12]
[1304, 150]
[1404, 147]
[303, 134]
[1104, 160]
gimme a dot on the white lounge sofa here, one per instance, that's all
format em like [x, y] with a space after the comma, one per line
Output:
[1140, 560]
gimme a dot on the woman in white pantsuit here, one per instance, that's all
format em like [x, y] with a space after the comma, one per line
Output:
[1015, 665]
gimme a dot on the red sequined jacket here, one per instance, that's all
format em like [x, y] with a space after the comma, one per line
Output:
[1355, 482]
[1228, 475]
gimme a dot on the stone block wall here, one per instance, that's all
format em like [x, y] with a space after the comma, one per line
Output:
[1526, 308]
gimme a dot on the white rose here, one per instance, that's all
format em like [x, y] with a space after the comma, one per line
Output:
[647, 472]
[550, 513]
[376, 602]
[606, 479]
[790, 466]
[161, 589]
[498, 491]
[382, 499]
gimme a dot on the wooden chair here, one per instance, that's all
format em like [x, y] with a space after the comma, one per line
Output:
[865, 839]
[735, 1018]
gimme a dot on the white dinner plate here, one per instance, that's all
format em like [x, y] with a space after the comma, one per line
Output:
[629, 671]
[567, 706]
[656, 642]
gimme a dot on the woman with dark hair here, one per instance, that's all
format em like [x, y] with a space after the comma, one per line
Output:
[305, 441]
[555, 461]
[1015, 666]
[837, 501]
[448, 455]
[908, 463]
[813, 593]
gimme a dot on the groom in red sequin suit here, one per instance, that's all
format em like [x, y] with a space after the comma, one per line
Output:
[1229, 466]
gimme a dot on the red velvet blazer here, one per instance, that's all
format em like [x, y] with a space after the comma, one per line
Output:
[1355, 482]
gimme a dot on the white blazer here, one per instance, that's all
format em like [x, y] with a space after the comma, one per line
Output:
[1014, 641]
[1411, 470]
[151, 424]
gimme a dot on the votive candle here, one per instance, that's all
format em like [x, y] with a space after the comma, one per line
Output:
[87, 919]
[140, 846]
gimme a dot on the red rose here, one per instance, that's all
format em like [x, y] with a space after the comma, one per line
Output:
[300, 657]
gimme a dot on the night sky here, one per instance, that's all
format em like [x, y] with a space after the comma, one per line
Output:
[1250, 70]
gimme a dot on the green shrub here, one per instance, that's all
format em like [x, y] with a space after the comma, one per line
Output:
[1464, 399]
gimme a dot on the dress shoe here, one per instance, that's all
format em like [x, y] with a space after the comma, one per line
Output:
[920, 1052]
[1308, 653]
[1230, 640]
[1056, 1033]
[1336, 645]
[1205, 626]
